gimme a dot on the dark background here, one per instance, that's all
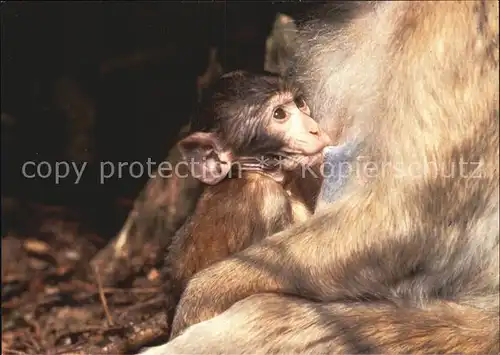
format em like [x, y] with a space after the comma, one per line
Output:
[134, 63]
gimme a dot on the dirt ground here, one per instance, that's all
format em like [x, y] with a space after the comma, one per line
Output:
[53, 303]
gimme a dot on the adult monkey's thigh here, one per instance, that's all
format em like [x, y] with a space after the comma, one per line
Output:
[420, 80]
[259, 325]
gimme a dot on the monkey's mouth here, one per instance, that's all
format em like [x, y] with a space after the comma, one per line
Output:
[310, 160]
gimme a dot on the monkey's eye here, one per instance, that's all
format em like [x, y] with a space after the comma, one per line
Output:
[300, 102]
[279, 114]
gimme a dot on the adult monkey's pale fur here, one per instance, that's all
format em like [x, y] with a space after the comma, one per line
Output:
[408, 261]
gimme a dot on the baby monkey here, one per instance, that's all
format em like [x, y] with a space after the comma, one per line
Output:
[252, 133]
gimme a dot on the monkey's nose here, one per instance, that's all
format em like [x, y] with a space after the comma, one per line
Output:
[325, 138]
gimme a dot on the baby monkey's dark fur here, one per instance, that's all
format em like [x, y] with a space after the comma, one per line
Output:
[244, 124]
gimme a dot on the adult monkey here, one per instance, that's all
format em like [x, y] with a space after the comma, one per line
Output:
[403, 263]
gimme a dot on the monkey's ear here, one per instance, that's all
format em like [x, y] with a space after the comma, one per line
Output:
[207, 161]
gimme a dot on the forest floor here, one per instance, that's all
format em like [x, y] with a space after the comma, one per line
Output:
[52, 301]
